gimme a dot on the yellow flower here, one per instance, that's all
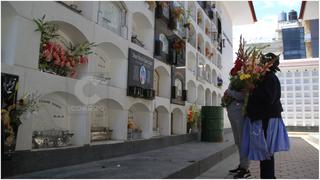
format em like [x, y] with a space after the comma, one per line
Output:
[244, 76]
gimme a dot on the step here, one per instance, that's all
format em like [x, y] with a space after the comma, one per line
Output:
[187, 160]
[59, 157]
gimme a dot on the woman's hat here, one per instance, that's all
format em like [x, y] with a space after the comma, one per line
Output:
[271, 57]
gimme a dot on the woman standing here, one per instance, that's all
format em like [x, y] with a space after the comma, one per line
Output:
[264, 132]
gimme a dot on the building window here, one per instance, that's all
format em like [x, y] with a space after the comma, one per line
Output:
[316, 108]
[165, 44]
[299, 116]
[290, 101]
[315, 80]
[315, 87]
[290, 88]
[290, 109]
[298, 101]
[298, 94]
[306, 88]
[289, 95]
[315, 101]
[289, 74]
[315, 73]
[112, 15]
[299, 108]
[289, 81]
[306, 73]
[178, 85]
[297, 74]
[297, 81]
[315, 94]
[306, 94]
[307, 101]
[307, 108]
[298, 88]
[306, 81]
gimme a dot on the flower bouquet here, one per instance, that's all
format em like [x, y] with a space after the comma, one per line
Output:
[193, 117]
[57, 56]
[248, 69]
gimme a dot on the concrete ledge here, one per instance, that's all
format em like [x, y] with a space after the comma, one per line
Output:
[186, 160]
[197, 168]
[303, 128]
[31, 161]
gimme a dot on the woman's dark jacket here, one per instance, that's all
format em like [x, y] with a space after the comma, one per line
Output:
[264, 101]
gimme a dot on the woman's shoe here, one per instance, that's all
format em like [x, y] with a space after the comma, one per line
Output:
[242, 173]
[232, 171]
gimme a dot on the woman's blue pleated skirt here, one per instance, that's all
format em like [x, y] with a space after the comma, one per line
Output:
[254, 144]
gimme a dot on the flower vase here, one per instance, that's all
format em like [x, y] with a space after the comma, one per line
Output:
[24, 134]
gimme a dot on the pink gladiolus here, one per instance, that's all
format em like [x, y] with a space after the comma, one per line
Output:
[83, 60]
[68, 64]
[62, 64]
[56, 56]
[56, 62]
[73, 74]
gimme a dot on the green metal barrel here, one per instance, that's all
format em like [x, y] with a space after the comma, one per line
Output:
[212, 123]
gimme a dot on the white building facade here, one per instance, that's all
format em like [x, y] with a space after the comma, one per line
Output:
[101, 96]
[300, 92]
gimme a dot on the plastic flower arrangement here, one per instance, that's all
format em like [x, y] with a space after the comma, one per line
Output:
[193, 116]
[11, 116]
[178, 44]
[178, 13]
[58, 56]
[248, 68]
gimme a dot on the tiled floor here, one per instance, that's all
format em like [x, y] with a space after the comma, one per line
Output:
[301, 162]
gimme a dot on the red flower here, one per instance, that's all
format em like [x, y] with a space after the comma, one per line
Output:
[68, 65]
[73, 74]
[233, 72]
[47, 55]
[56, 62]
[83, 60]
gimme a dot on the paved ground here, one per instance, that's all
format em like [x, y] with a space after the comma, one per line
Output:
[301, 162]
[183, 160]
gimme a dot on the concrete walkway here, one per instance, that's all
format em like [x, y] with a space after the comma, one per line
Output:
[301, 162]
[186, 160]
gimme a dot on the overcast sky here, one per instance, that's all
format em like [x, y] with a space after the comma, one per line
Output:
[267, 14]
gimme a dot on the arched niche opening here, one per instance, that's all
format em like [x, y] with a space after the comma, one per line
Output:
[192, 35]
[60, 55]
[208, 97]
[110, 62]
[142, 32]
[201, 68]
[207, 27]
[193, 10]
[208, 50]
[214, 77]
[61, 112]
[208, 73]
[107, 120]
[200, 18]
[161, 123]
[113, 16]
[219, 100]
[192, 94]
[176, 122]
[191, 61]
[214, 99]
[139, 122]
[200, 95]
[9, 27]
[200, 44]
[162, 81]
